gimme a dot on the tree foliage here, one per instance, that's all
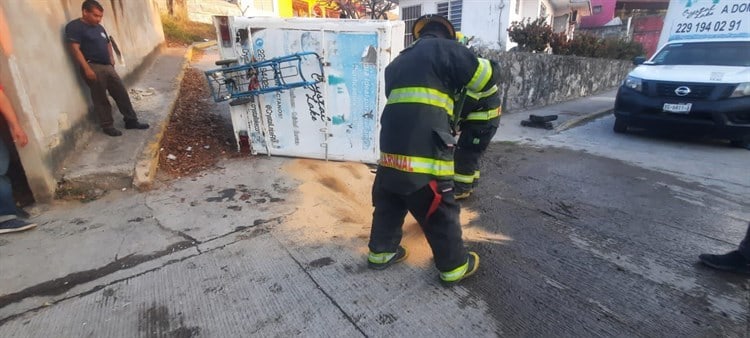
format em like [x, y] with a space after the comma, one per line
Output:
[364, 9]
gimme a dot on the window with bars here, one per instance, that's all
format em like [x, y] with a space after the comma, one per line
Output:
[452, 11]
[442, 9]
[455, 9]
[409, 15]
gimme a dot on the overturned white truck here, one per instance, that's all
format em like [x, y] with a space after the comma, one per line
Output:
[305, 87]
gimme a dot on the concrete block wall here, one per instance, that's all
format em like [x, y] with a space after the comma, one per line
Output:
[43, 81]
[533, 79]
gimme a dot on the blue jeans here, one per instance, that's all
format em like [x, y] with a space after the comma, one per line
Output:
[7, 203]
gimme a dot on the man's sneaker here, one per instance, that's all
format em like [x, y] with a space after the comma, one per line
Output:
[732, 261]
[112, 131]
[134, 124]
[22, 213]
[462, 194]
[458, 274]
[15, 225]
[380, 261]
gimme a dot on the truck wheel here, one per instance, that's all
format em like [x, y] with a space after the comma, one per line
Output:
[620, 126]
[741, 143]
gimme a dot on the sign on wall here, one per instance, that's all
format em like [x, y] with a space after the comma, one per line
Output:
[706, 19]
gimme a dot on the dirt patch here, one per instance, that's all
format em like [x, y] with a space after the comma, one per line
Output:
[197, 137]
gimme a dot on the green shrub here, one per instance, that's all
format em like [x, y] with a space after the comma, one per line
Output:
[591, 46]
[531, 36]
[560, 44]
[585, 45]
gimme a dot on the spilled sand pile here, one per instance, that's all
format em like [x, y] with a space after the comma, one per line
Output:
[336, 207]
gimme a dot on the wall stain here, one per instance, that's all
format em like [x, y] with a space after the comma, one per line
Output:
[114, 12]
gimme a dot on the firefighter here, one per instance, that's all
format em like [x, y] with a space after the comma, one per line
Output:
[480, 118]
[415, 170]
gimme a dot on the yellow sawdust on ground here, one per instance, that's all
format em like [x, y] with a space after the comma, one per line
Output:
[337, 207]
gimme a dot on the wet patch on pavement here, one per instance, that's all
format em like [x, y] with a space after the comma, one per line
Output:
[61, 285]
[156, 321]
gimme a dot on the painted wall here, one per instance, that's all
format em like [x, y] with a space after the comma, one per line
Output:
[599, 19]
[43, 82]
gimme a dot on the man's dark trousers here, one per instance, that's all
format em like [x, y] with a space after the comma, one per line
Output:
[436, 211]
[107, 80]
[745, 244]
[473, 142]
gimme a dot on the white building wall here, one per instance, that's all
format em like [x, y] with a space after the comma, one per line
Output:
[488, 20]
[529, 8]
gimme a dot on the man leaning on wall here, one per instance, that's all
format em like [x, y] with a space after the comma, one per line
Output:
[92, 50]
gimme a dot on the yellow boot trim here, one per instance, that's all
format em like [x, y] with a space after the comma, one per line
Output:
[462, 271]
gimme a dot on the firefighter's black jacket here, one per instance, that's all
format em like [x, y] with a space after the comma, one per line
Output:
[483, 108]
[416, 143]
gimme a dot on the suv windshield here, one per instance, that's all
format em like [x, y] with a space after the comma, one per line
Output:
[723, 53]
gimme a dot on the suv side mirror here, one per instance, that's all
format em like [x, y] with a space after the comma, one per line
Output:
[639, 60]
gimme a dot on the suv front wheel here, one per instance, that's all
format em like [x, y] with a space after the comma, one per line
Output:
[620, 126]
[741, 143]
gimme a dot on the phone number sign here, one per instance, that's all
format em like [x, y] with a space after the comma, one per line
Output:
[707, 19]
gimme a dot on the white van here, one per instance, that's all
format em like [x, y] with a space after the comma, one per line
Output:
[698, 81]
[699, 86]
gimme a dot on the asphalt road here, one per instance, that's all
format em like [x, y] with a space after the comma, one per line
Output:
[607, 244]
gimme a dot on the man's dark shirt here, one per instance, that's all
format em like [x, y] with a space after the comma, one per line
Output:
[94, 41]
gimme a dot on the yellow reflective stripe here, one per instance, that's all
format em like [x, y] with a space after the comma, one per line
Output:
[455, 274]
[481, 95]
[414, 164]
[483, 115]
[481, 76]
[422, 95]
[463, 178]
[476, 174]
[380, 258]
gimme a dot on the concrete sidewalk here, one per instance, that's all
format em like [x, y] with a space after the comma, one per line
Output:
[570, 114]
[113, 163]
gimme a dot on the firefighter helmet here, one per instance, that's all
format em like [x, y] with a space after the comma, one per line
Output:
[461, 38]
[427, 20]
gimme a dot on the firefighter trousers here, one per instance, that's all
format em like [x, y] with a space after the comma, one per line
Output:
[436, 211]
[473, 142]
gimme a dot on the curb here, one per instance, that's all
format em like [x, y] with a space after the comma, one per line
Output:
[148, 162]
[204, 45]
[574, 122]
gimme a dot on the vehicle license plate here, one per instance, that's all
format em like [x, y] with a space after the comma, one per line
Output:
[680, 108]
